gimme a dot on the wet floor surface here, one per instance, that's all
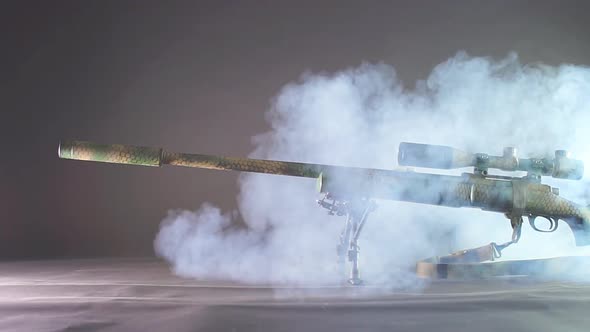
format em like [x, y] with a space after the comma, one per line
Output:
[143, 295]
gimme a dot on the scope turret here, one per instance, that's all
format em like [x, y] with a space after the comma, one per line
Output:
[445, 157]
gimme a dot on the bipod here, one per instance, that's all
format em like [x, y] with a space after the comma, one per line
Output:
[357, 213]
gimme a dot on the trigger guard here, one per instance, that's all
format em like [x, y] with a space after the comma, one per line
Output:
[554, 222]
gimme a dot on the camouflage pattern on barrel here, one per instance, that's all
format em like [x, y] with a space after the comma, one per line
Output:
[516, 196]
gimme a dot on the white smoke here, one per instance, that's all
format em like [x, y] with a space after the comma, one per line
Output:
[357, 117]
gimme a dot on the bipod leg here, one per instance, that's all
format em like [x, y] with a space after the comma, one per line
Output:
[342, 248]
[357, 221]
[353, 257]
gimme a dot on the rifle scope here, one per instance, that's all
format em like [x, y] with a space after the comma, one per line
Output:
[446, 157]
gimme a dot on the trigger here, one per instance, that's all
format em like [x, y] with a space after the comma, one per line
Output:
[554, 224]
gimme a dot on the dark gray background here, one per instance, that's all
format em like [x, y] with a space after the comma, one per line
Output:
[198, 77]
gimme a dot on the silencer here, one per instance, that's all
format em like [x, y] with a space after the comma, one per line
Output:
[110, 153]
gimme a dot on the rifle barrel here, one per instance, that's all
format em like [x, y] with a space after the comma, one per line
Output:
[149, 156]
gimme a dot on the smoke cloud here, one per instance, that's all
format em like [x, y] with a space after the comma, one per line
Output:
[357, 117]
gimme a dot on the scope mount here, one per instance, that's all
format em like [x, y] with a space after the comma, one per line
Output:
[510, 161]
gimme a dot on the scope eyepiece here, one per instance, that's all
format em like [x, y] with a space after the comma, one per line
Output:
[566, 167]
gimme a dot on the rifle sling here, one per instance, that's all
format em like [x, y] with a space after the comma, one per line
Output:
[478, 263]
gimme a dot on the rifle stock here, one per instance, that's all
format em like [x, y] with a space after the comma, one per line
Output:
[499, 194]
